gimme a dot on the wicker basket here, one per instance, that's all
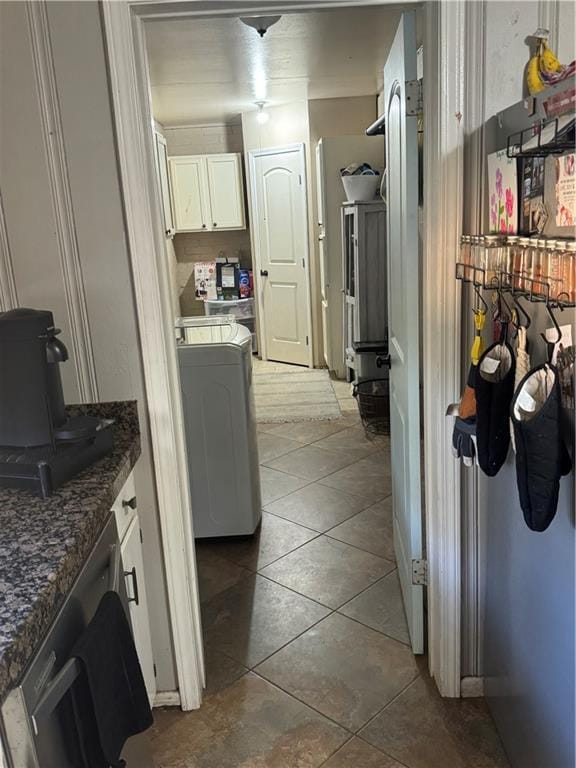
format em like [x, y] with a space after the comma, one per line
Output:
[373, 398]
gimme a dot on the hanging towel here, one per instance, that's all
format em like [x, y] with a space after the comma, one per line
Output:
[117, 693]
[541, 457]
[522, 369]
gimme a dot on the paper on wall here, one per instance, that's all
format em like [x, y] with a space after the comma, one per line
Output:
[502, 193]
[566, 190]
[204, 280]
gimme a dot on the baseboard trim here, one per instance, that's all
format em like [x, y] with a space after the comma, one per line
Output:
[471, 687]
[167, 699]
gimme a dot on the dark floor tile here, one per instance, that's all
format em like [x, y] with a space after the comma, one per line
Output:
[310, 462]
[357, 754]
[215, 573]
[370, 477]
[423, 730]
[274, 484]
[271, 446]
[328, 571]
[308, 431]
[381, 607]
[351, 440]
[346, 671]
[317, 506]
[371, 530]
[274, 538]
[256, 617]
[251, 724]
[221, 670]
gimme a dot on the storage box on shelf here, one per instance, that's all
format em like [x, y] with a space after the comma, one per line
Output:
[241, 309]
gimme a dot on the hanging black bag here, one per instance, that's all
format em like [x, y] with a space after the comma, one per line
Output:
[541, 456]
[494, 389]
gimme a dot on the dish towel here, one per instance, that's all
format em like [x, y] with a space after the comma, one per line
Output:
[114, 692]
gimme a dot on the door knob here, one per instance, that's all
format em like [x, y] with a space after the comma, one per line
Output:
[264, 272]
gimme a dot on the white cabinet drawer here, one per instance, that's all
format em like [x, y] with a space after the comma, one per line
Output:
[124, 507]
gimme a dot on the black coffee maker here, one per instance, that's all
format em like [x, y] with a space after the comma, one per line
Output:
[41, 445]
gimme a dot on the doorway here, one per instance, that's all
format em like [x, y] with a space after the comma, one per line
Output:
[280, 224]
[132, 113]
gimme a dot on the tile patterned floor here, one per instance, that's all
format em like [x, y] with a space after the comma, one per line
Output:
[307, 649]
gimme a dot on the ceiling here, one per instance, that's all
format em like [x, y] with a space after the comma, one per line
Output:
[206, 71]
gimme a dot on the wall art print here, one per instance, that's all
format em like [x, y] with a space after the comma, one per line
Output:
[502, 193]
[566, 190]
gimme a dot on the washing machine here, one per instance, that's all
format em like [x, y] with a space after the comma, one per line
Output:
[215, 361]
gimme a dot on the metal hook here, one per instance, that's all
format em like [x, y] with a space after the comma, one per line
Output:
[506, 306]
[522, 311]
[481, 299]
[551, 344]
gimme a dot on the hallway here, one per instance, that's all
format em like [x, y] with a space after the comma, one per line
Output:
[308, 661]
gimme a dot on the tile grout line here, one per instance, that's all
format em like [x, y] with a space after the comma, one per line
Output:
[309, 706]
[336, 525]
[377, 715]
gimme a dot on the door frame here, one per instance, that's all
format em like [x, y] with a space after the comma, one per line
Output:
[253, 154]
[126, 56]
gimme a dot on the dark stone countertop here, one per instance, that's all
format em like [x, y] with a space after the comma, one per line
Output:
[45, 542]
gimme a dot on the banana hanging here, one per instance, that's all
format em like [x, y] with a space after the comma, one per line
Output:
[542, 64]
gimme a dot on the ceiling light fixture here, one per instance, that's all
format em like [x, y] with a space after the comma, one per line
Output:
[260, 23]
[261, 116]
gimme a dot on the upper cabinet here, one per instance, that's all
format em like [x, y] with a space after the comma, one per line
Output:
[162, 170]
[207, 192]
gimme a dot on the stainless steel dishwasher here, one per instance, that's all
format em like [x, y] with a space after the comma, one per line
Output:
[36, 715]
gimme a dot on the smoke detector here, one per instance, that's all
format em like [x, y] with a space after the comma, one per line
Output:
[260, 23]
[262, 117]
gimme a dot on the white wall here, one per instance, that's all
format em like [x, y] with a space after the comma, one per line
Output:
[203, 139]
[507, 26]
[84, 101]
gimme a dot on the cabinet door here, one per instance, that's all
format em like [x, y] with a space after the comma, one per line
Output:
[133, 565]
[162, 169]
[226, 191]
[189, 193]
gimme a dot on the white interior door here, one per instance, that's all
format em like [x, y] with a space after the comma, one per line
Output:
[403, 303]
[278, 185]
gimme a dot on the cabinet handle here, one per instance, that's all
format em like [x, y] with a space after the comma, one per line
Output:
[214, 224]
[129, 503]
[136, 598]
[203, 226]
[264, 272]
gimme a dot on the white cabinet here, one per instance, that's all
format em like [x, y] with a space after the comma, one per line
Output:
[128, 525]
[207, 192]
[163, 183]
[133, 565]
